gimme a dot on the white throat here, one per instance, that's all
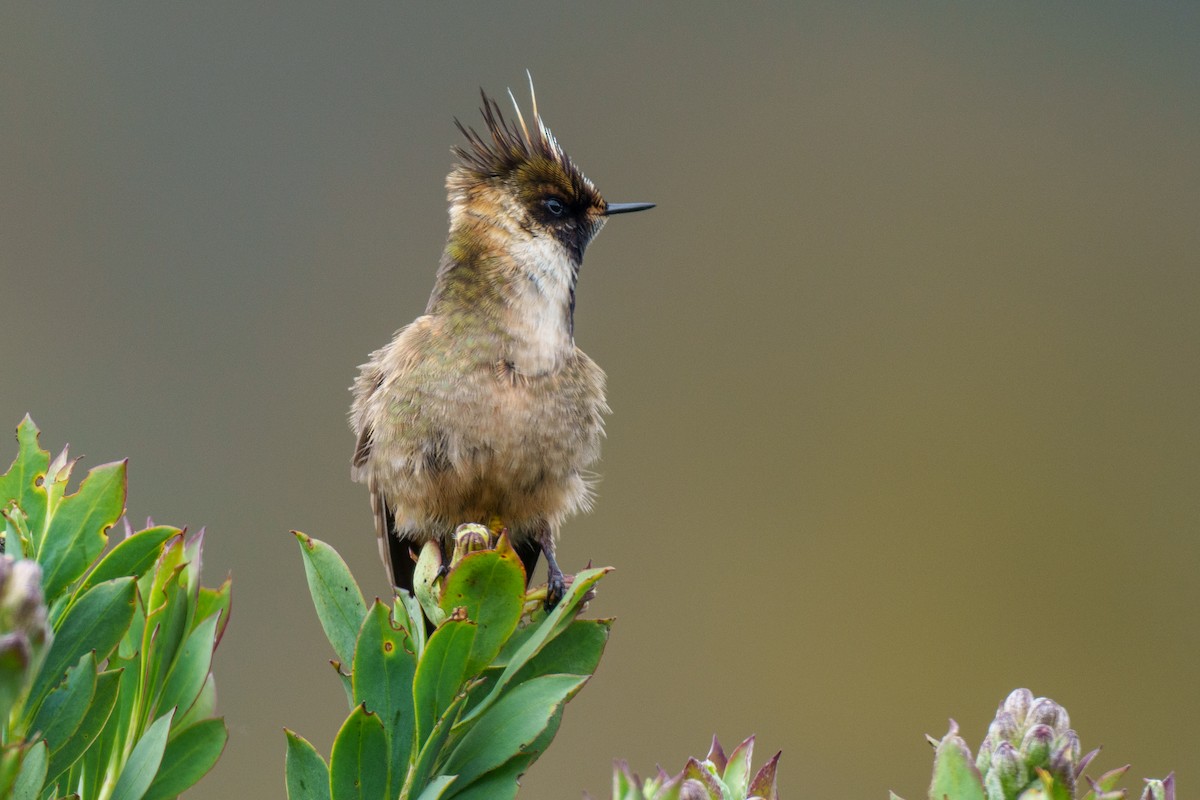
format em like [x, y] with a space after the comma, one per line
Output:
[540, 307]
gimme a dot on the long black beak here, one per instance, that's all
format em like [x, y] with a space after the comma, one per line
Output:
[626, 208]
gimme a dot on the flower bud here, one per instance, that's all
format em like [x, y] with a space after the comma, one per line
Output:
[1017, 704]
[1004, 728]
[1008, 769]
[1064, 755]
[1045, 711]
[1035, 747]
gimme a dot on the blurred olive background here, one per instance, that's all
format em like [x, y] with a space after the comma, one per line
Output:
[905, 366]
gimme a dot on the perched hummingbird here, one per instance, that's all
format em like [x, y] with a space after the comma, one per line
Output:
[483, 409]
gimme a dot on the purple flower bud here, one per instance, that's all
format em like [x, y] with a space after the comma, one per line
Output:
[1045, 711]
[1008, 768]
[1035, 747]
[1004, 728]
[1017, 703]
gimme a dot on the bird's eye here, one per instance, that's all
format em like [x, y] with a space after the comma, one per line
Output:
[555, 206]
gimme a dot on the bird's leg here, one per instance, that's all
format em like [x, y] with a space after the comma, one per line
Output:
[556, 584]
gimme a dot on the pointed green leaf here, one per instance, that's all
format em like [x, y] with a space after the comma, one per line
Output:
[32, 776]
[64, 708]
[954, 772]
[193, 553]
[358, 765]
[154, 583]
[551, 626]
[737, 768]
[210, 601]
[441, 672]
[191, 668]
[144, 761]
[190, 753]
[20, 482]
[575, 651]
[96, 622]
[384, 668]
[103, 699]
[78, 530]
[131, 557]
[516, 720]
[338, 600]
[307, 774]
[490, 587]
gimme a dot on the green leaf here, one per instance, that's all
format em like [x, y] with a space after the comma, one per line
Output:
[551, 626]
[515, 722]
[575, 651]
[96, 622]
[103, 699]
[164, 635]
[307, 774]
[33, 773]
[78, 529]
[490, 587]
[502, 783]
[499, 784]
[737, 767]
[10, 764]
[431, 749]
[131, 557]
[144, 761]
[64, 708]
[191, 668]
[210, 601]
[384, 667]
[441, 672]
[127, 720]
[190, 753]
[437, 787]
[337, 598]
[20, 483]
[954, 772]
[358, 765]
[407, 612]
[16, 532]
[205, 705]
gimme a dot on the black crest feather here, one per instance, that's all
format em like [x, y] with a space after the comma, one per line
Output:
[508, 145]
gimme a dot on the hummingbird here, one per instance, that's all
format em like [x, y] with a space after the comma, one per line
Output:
[484, 409]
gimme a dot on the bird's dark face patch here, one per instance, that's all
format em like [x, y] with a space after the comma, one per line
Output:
[559, 202]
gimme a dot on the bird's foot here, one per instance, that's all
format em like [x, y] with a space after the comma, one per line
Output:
[556, 587]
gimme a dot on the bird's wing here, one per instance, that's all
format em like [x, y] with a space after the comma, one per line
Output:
[362, 451]
[396, 554]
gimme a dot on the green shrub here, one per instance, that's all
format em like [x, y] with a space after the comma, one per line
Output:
[106, 691]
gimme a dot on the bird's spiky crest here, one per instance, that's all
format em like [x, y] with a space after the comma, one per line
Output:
[510, 145]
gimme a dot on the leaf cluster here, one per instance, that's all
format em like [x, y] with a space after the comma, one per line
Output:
[459, 714]
[121, 704]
